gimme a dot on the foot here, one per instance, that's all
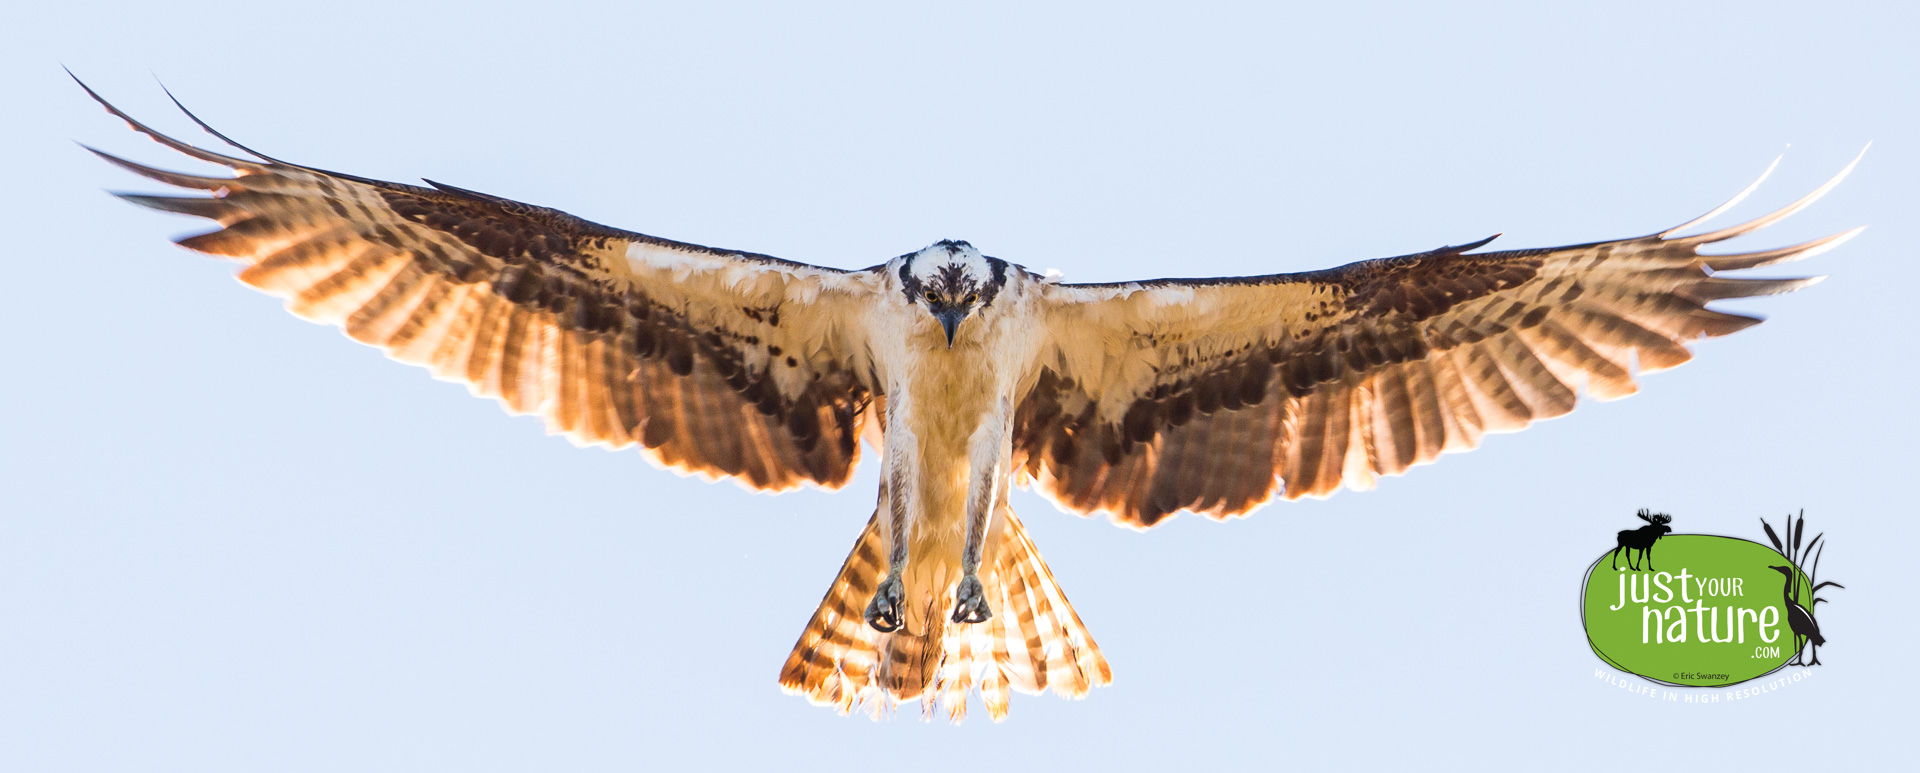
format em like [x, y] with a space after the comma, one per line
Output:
[970, 602]
[883, 613]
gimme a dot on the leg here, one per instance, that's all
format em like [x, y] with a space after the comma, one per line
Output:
[1649, 557]
[970, 597]
[1616, 558]
[886, 612]
[986, 457]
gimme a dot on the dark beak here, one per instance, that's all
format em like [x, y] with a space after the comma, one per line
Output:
[950, 321]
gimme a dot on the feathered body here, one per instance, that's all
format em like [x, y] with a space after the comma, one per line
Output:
[948, 438]
[969, 375]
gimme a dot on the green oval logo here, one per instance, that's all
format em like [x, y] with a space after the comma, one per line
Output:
[1697, 610]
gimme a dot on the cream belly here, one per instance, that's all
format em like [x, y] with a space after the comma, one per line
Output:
[951, 395]
[952, 392]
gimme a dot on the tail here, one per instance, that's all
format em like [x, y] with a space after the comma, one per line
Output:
[1033, 641]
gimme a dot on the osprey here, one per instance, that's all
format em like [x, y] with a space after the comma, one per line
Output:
[969, 375]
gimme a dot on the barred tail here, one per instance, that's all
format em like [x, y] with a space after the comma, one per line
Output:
[1033, 642]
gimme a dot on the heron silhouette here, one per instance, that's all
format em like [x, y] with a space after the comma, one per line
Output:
[1805, 628]
[1800, 619]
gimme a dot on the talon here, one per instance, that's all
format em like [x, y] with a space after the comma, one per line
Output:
[970, 602]
[883, 613]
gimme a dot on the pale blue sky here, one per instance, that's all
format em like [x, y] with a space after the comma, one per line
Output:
[234, 541]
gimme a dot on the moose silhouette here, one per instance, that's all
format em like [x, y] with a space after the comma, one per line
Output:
[1642, 539]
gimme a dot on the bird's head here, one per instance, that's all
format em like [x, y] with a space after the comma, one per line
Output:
[1783, 570]
[951, 281]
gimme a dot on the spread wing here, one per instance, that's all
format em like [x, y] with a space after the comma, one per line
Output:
[1211, 395]
[724, 363]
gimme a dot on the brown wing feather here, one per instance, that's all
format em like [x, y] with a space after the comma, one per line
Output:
[1212, 395]
[700, 356]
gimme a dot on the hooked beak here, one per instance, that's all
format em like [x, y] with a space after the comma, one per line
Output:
[950, 322]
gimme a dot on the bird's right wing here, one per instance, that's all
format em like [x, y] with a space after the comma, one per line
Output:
[717, 362]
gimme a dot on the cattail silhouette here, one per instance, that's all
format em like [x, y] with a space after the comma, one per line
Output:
[1642, 539]
[1806, 629]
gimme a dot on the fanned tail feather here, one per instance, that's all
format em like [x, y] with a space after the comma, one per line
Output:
[1033, 642]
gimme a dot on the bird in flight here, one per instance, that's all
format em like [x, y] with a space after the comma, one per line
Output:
[968, 375]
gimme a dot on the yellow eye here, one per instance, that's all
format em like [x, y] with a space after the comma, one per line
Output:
[932, 296]
[971, 297]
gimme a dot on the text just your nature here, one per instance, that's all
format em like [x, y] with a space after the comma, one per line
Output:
[1661, 624]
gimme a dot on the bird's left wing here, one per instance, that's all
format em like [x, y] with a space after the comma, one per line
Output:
[1211, 395]
[717, 362]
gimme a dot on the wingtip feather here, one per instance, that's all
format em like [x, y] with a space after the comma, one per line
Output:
[1781, 213]
[1801, 251]
[178, 179]
[204, 126]
[1737, 198]
[196, 206]
[1717, 288]
[178, 146]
